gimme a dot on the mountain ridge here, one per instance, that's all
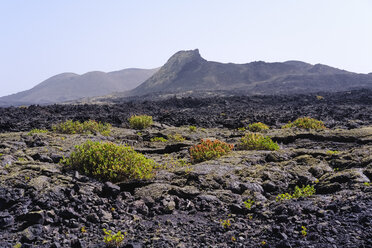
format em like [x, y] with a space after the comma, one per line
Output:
[71, 86]
[187, 70]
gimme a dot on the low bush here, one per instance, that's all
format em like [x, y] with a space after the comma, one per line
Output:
[108, 161]
[208, 149]
[86, 127]
[113, 240]
[140, 121]
[256, 141]
[158, 139]
[192, 128]
[175, 137]
[330, 152]
[305, 191]
[35, 130]
[257, 127]
[306, 123]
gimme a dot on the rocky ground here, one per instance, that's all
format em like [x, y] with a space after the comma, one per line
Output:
[43, 204]
[342, 110]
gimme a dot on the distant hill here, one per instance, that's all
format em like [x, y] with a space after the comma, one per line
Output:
[70, 86]
[188, 71]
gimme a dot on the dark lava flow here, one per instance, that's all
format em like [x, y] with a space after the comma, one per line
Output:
[345, 110]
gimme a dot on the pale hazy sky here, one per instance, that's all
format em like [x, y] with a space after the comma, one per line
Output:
[42, 38]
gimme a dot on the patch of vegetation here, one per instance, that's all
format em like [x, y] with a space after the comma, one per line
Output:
[319, 97]
[303, 231]
[242, 129]
[304, 191]
[87, 127]
[329, 152]
[140, 121]
[83, 230]
[306, 123]
[35, 130]
[158, 139]
[249, 203]
[367, 184]
[226, 224]
[170, 163]
[18, 245]
[256, 141]
[113, 240]
[108, 161]
[192, 128]
[257, 127]
[208, 150]
[175, 137]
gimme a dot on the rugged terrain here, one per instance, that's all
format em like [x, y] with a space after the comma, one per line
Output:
[43, 204]
[188, 71]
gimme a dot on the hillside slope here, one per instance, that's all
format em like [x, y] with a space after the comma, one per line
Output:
[187, 70]
[70, 86]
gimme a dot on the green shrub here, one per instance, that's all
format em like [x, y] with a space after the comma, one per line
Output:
[208, 150]
[175, 137]
[306, 123]
[192, 128]
[256, 141]
[329, 152]
[108, 161]
[140, 121]
[257, 127]
[35, 130]
[158, 139]
[303, 231]
[248, 203]
[305, 191]
[113, 240]
[87, 127]
[226, 224]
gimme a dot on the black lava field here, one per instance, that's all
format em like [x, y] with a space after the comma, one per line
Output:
[347, 109]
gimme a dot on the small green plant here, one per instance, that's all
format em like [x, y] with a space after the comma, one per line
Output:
[108, 161]
[140, 121]
[171, 163]
[18, 245]
[1, 155]
[319, 97]
[208, 149]
[242, 129]
[114, 240]
[256, 141]
[248, 203]
[329, 152]
[83, 230]
[22, 159]
[175, 137]
[306, 123]
[87, 127]
[139, 133]
[367, 184]
[35, 130]
[158, 139]
[192, 128]
[304, 191]
[303, 231]
[226, 224]
[257, 127]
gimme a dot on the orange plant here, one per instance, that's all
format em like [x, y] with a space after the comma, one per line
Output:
[209, 149]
